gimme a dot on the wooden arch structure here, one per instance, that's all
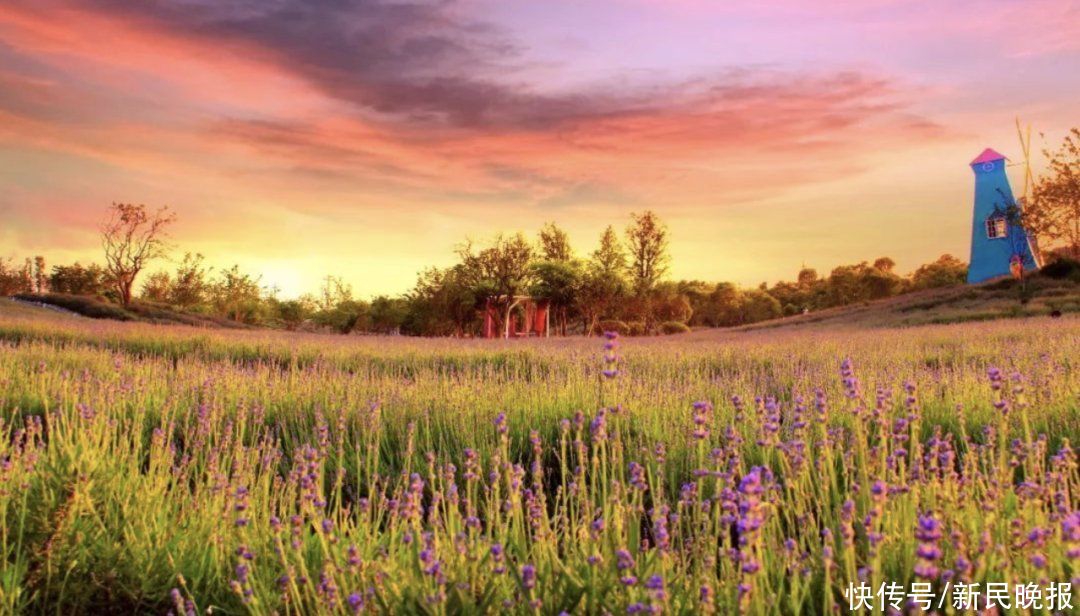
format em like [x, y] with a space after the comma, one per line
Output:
[532, 320]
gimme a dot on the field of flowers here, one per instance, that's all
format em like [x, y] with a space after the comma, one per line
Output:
[145, 469]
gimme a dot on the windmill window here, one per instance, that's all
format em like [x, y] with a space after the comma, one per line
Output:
[996, 227]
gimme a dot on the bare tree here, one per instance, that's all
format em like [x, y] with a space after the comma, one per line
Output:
[132, 237]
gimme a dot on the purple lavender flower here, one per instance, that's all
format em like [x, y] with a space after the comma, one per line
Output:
[528, 576]
[702, 417]
[637, 477]
[356, 602]
[928, 532]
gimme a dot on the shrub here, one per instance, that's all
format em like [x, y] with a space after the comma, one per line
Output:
[673, 327]
[636, 328]
[614, 325]
[86, 306]
[1062, 268]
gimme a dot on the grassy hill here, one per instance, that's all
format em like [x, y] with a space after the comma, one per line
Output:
[143, 312]
[1002, 299]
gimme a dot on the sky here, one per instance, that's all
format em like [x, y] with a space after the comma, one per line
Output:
[368, 138]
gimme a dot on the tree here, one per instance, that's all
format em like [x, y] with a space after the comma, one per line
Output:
[334, 291]
[725, 306]
[387, 314]
[191, 283]
[41, 275]
[1054, 213]
[11, 279]
[669, 304]
[884, 264]
[132, 237]
[497, 273]
[946, 271]
[346, 317]
[442, 303]
[603, 284]
[558, 282]
[158, 287]
[757, 305]
[77, 280]
[807, 277]
[337, 309]
[696, 293]
[237, 296]
[646, 239]
[293, 312]
[555, 243]
[609, 258]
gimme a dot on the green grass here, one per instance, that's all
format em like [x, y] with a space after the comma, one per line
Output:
[129, 447]
[141, 311]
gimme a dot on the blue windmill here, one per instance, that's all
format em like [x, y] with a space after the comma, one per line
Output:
[999, 244]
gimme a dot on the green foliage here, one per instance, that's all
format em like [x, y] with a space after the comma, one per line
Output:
[78, 280]
[673, 327]
[946, 271]
[387, 314]
[647, 243]
[237, 296]
[293, 313]
[613, 325]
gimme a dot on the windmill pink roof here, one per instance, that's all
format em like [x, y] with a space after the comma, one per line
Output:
[988, 155]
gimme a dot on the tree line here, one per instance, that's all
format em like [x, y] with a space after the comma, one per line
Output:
[622, 284]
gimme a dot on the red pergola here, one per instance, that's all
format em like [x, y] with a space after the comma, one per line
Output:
[531, 320]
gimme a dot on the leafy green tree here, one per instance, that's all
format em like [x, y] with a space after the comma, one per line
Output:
[603, 283]
[696, 293]
[555, 243]
[647, 243]
[442, 303]
[725, 306]
[346, 317]
[41, 275]
[559, 283]
[77, 280]
[157, 288]
[947, 271]
[497, 273]
[387, 314]
[669, 304]
[237, 296]
[293, 312]
[757, 305]
[190, 283]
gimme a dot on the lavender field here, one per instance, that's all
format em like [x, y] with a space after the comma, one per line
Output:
[150, 469]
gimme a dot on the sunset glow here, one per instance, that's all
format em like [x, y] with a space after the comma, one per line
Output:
[362, 138]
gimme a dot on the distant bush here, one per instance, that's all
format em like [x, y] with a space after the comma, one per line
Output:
[636, 328]
[612, 325]
[86, 306]
[673, 327]
[1062, 268]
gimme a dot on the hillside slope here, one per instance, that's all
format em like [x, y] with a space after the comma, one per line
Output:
[1002, 299]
